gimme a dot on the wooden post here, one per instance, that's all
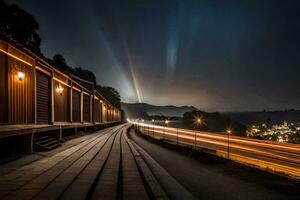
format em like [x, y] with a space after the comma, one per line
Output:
[71, 102]
[177, 135]
[228, 146]
[195, 140]
[60, 133]
[91, 108]
[153, 131]
[31, 141]
[35, 96]
[81, 106]
[52, 98]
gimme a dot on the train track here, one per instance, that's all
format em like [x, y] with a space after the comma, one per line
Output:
[107, 166]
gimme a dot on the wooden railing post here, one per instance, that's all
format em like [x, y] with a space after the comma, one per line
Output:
[35, 96]
[52, 98]
[81, 106]
[177, 136]
[195, 140]
[71, 103]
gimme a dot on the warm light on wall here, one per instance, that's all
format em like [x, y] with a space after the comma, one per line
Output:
[60, 90]
[21, 76]
[101, 101]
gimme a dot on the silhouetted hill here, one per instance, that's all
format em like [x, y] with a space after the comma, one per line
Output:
[214, 122]
[140, 110]
[269, 117]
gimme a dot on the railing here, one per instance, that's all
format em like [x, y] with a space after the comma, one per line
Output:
[275, 156]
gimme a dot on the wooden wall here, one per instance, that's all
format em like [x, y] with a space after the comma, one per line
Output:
[96, 110]
[43, 92]
[86, 108]
[61, 103]
[76, 113]
[109, 113]
[104, 111]
[20, 93]
[3, 88]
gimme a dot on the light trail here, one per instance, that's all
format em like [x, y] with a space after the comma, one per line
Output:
[282, 157]
[269, 144]
[131, 67]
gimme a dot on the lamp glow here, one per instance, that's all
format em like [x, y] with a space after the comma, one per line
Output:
[21, 76]
[60, 90]
[198, 121]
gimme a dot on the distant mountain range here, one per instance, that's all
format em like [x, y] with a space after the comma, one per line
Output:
[139, 110]
[142, 110]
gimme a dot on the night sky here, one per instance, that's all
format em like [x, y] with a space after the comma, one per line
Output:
[215, 55]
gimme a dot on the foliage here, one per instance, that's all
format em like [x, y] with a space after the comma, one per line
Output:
[85, 74]
[110, 94]
[60, 62]
[17, 24]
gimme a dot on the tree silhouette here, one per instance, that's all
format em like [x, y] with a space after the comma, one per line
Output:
[60, 62]
[111, 94]
[17, 24]
[85, 74]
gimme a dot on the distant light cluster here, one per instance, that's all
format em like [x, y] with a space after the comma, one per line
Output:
[286, 132]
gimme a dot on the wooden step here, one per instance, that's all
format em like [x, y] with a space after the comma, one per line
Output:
[46, 143]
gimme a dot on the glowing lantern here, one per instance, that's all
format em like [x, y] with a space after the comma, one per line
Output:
[60, 90]
[21, 76]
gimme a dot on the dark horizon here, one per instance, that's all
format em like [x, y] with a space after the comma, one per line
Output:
[232, 111]
[216, 56]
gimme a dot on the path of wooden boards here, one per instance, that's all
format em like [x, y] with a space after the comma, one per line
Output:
[105, 166]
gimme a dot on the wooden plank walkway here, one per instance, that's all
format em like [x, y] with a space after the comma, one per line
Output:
[105, 166]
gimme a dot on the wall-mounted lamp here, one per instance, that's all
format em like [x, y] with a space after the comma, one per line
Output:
[60, 90]
[101, 101]
[21, 76]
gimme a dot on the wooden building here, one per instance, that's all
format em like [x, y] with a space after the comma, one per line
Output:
[33, 92]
